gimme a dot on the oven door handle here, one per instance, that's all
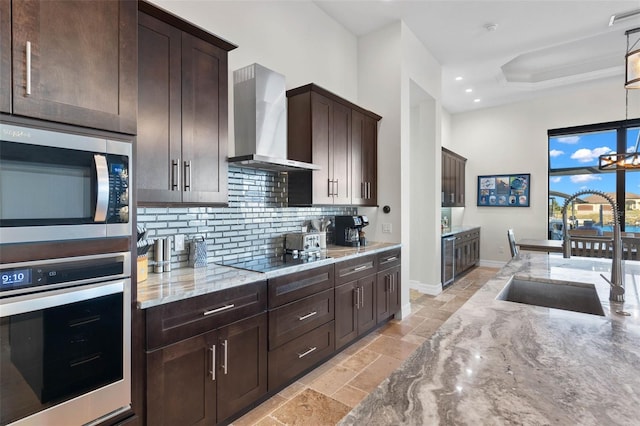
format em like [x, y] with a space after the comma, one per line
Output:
[49, 299]
[102, 182]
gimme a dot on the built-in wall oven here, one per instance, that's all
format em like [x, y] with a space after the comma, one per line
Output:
[62, 186]
[65, 340]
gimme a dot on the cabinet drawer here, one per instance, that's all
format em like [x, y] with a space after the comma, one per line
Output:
[354, 269]
[288, 288]
[293, 320]
[388, 259]
[292, 358]
[177, 321]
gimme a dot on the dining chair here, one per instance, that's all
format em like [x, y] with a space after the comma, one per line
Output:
[592, 246]
[583, 232]
[512, 242]
[630, 248]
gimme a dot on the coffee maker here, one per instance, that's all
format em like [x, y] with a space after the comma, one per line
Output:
[347, 230]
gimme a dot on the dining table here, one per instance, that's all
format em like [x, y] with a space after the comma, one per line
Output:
[547, 246]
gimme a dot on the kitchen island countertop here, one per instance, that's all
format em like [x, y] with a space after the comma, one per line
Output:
[183, 283]
[495, 362]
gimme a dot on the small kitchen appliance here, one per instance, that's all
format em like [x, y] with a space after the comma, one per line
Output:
[302, 242]
[348, 228]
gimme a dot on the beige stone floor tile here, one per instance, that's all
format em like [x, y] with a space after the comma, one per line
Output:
[395, 348]
[314, 374]
[311, 408]
[349, 395]
[453, 305]
[374, 374]
[414, 338]
[292, 390]
[333, 380]
[360, 360]
[427, 328]
[362, 343]
[269, 421]
[433, 313]
[401, 328]
[444, 297]
[262, 410]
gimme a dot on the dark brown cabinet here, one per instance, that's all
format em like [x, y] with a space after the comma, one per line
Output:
[206, 356]
[182, 120]
[453, 179]
[364, 159]
[388, 285]
[467, 250]
[321, 130]
[5, 56]
[73, 62]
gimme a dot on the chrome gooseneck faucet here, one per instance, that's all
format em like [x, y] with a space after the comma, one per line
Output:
[616, 293]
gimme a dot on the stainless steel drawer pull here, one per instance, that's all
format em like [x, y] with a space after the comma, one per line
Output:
[391, 259]
[307, 352]
[309, 315]
[360, 268]
[226, 355]
[214, 311]
[187, 175]
[28, 65]
[213, 362]
[174, 174]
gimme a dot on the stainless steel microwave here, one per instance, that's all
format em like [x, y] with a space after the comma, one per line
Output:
[62, 186]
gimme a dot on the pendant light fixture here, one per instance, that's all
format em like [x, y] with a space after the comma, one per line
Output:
[627, 160]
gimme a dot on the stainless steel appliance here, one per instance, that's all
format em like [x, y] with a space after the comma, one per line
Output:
[65, 340]
[347, 230]
[448, 260]
[62, 186]
[260, 115]
[302, 242]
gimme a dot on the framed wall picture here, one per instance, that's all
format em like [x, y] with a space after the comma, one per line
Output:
[504, 190]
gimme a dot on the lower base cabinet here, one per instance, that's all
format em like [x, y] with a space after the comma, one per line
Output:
[207, 378]
[355, 309]
[388, 293]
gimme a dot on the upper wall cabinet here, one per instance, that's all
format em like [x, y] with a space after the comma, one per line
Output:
[73, 62]
[182, 118]
[453, 179]
[5, 56]
[341, 138]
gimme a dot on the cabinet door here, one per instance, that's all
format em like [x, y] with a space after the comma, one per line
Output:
[181, 386]
[5, 56]
[204, 121]
[460, 183]
[395, 294]
[346, 314]
[242, 369]
[82, 63]
[367, 304]
[364, 159]
[321, 154]
[159, 118]
[341, 154]
[447, 178]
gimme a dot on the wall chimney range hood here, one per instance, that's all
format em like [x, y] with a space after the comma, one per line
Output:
[260, 118]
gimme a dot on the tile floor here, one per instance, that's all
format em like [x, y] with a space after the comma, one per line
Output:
[328, 393]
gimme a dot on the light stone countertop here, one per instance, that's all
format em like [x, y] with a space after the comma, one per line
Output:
[447, 232]
[183, 283]
[495, 362]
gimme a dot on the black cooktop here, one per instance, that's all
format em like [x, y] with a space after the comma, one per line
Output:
[271, 263]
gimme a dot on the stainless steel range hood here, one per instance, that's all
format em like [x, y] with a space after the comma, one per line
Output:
[260, 117]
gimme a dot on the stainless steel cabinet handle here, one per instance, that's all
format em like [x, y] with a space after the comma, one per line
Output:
[223, 308]
[174, 174]
[360, 268]
[357, 297]
[363, 190]
[329, 187]
[102, 199]
[453, 197]
[307, 352]
[225, 344]
[337, 188]
[309, 315]
[187, 175]
[368, 190]
[213, 362]
[28, 60]
[362, 297]
[391, 259]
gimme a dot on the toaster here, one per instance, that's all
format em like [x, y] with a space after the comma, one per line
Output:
[302, 242]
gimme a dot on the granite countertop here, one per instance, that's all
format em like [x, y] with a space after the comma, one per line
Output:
[183, 283]
[446, 232]
[495, 362]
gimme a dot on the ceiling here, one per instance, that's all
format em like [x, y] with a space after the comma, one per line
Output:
[537, 46]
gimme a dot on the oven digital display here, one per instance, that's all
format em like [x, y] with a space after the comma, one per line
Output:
[15, 277]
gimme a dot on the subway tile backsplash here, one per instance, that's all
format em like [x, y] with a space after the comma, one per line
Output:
[253, 225]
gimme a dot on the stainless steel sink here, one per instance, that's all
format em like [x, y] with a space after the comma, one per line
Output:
[570, 296]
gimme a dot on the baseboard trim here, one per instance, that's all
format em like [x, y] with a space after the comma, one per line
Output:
[430, 289]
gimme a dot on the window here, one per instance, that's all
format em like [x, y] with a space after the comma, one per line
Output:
[573, 167]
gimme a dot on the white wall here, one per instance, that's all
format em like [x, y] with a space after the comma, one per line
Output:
[296, 39]
[513, 139]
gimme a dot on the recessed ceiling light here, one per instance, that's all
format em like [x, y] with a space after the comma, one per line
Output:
[491, 27]
[476, 100]
[469, 90]
[459, 78]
